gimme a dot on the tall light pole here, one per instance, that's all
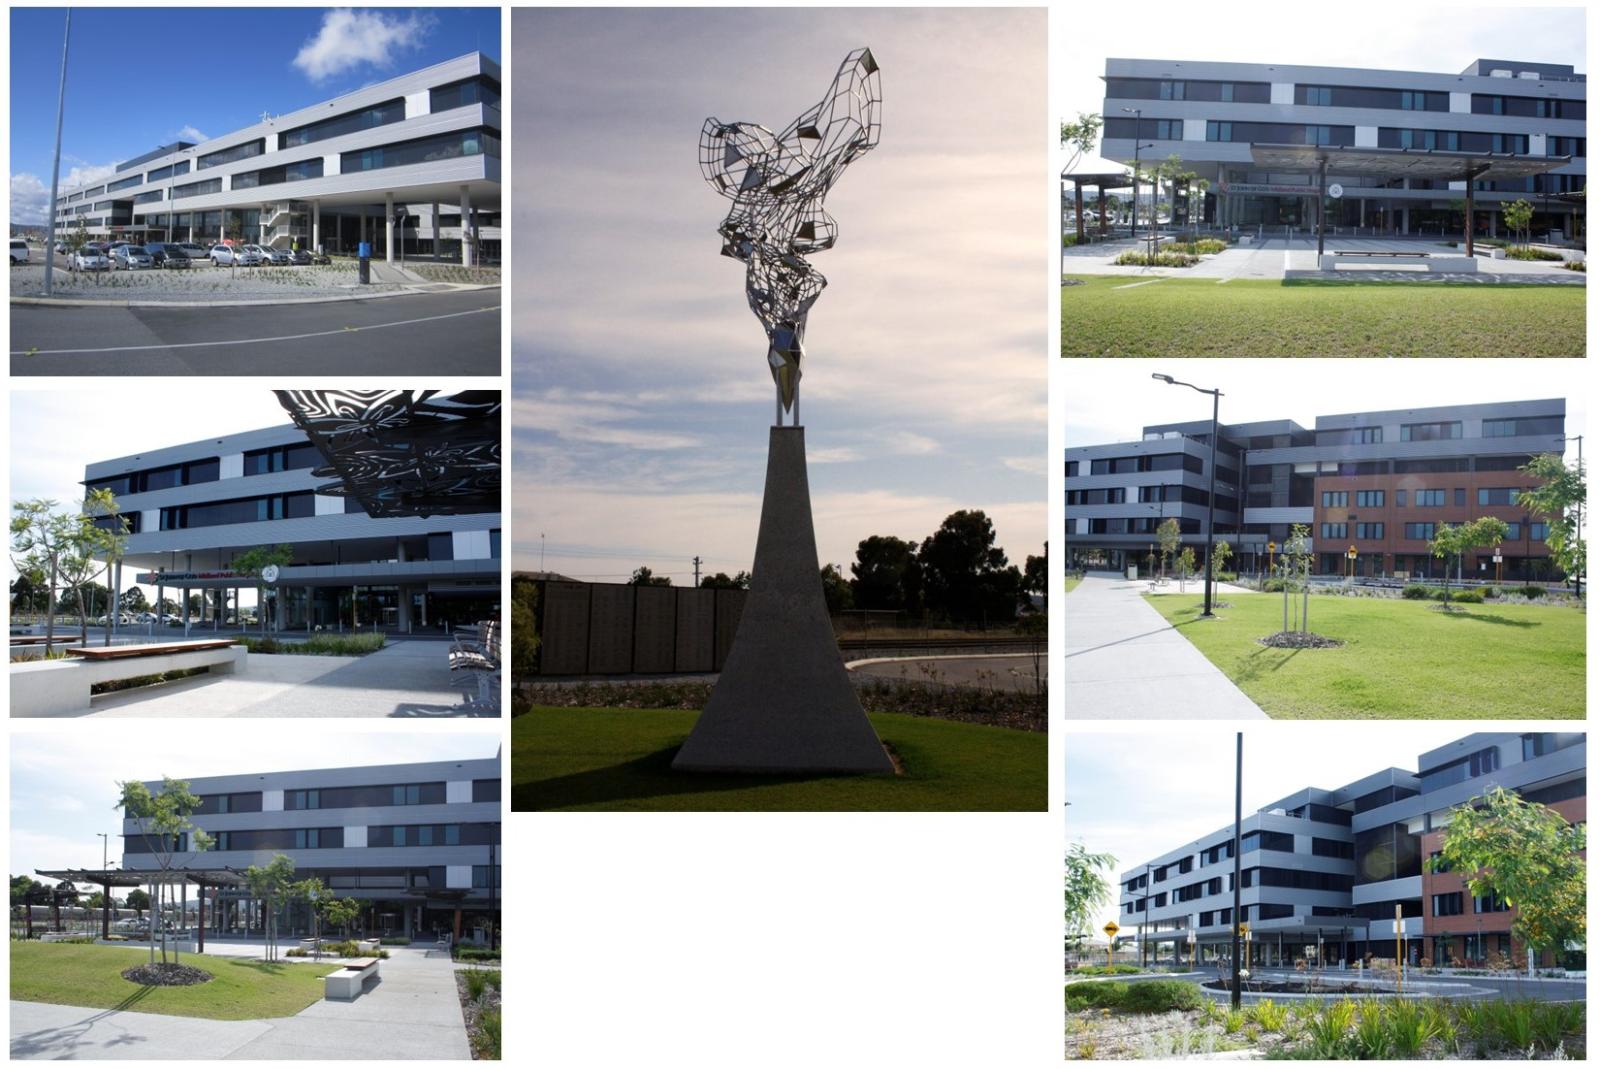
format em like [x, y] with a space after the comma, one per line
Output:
[1211, 497]
[104, 847]
[1238, 816]
[55, 167]
[1133, 212]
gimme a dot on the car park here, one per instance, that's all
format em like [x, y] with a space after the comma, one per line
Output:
[235, 255]
[194, 250]
[167, 255]
[19, 251]
[300, 257]
[89, 258]
[131, 257]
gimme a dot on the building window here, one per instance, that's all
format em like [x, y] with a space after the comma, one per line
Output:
[424, 150]
[272, 176]
[1430, 432]
[480, 875]
[305, 799]
[281, 458]
[478, 90]
[1226, 92]
[1320, 96]
[1448, 905]
[1172, 90]
[1539, 532]
[1334, 530]
[1461, 497]
[307, 838]
[1420, 531]
[399, 835]
[231, 155]
[197, 189]
[1489, 904]
[1369, 499]
[1219, 131]
[1369, 532]
[126, 183]
[1335, 499]
[390, 111]
[407, 794]
[1430, 499]
[181, 167]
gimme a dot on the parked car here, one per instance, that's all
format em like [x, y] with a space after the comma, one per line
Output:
[275, 256]
[89, 258]
[194, 250]
[130, 257]
[231, 255]
[300, 258]
[168, 255]
[19, 251]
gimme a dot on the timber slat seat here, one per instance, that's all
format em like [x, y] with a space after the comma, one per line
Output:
[149, 649]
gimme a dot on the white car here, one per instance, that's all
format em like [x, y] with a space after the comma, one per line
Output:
[19, 251]
[194, 251]
[229, 255]
[88, 259]
[130, 257]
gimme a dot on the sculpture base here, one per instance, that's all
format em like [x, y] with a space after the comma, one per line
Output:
[784, 702]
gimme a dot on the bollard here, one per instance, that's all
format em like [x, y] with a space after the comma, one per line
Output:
[364, 254]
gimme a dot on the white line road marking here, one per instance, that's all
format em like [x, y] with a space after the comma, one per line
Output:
[251, 341]
[1130, 285]
[1286, 258]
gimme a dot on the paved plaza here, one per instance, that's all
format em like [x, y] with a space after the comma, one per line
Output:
[1279, 257]
[413, 1012]
[1124, 660]
[407, 678]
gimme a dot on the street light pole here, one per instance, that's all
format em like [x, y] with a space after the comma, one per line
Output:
[55, 167]
[1238, 816]
[1211, 497]
[1133, 211]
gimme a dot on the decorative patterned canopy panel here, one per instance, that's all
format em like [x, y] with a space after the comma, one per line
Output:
[404, 452]
[1404, 162]
[777, 183]
[1100, 180]
[135, 877]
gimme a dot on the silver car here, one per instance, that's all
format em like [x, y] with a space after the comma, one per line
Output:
[230, 255]
[270, 255]
[131, 257]
[90, 259]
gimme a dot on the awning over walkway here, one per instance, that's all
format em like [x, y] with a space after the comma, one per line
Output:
[404, 452]
[1102, 181]
[223, 877]
[1405, 162]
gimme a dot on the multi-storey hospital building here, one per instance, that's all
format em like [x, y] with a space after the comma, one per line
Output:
[1322, 871]
[410, 165]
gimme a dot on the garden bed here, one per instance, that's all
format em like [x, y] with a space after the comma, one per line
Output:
[479, 991]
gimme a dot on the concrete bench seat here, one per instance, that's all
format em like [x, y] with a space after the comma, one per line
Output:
[1433, 262]
[63, 688]
[149, 649]
[347, 983]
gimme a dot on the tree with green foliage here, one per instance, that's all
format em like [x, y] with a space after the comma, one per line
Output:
[1518, 214]
[133, 600]
[1036, 577]
[836, 590]
[643, 576]
[253, 563]
[1088, 891]
[340, 913]
[1185, 565]
[723, 581]
[60, 548]
[1080, 137]
[1168, 535]
[1529, 857]
[1295, 559]
[524, 628]
[1456, 540]
[1559, 498]
[138, 900]
[887, 575]
[1220, 552]
[270, 884]
[967, 576]
[163, 824]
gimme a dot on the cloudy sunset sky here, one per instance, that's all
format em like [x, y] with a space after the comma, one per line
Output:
[642, 397]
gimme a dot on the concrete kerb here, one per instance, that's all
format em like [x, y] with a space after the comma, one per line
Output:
[73, 302]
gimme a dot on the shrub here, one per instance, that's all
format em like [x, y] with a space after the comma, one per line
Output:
[1327, 1029]
[477, 954]
[1491, 592]
[1576, 265]
[1531, 591]
[1372, 1032]
[1472, 597]
[1528, 252]
[1105, 970]
[1273, 586]
[317, 645]
[1160, 259]
[1096, 995]
[1269, 1015]
[1410, 1028]
[1226, 577]
[1513, 1023]
[478, 981]
[488, 1035]
[1417, 591]
[394, 941]
[1161, 996]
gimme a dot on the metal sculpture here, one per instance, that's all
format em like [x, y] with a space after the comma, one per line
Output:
[777, 183]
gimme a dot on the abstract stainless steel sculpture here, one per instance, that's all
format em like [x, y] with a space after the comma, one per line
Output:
[783, 702]
[777, 183]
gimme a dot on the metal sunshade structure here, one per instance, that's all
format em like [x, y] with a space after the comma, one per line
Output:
[405, 452]
[1102, 181]
[106, 879]
[1454, 166]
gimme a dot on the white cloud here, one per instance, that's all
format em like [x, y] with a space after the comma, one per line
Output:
[349, 39]
[596, 418]
[1030, 465]
[30, 194]
[189, 133]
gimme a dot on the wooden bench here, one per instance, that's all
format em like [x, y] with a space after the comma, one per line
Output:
[64, 687]
[348, 982]
[1435, 263]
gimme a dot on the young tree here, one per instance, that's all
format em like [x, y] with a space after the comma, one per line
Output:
[1526, 855]
[1219, 557]
[163, 822]
[340, 913]
[269, 884]
[1088, 890]
[1185, 565]
[1296, 558]
[1456, 540]
[1518, 214]
[1168, 535]
[1080, 137]
[253, 563]
[1559, 498]
[524, 627]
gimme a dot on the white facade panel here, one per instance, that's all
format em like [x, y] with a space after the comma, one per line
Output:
[1194, 129]
[327, 505]
[1283, 92]
[231, 466]
[417, 104]
[470, 545]
[330, 165]
[271, 801]
[150, 520]
[1366, 137]
[355, 837]
[1461, 103]
[458, 876]
[1536, 144]
[457, 791]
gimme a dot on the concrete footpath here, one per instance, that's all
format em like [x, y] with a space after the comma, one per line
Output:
[413, 1012]
[1124, 661]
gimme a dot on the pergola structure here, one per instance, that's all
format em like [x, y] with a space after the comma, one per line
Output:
[405, 452]
[1436, 164]
[1102, 181]
[106, 879]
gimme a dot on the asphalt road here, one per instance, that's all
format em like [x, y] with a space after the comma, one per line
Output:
[1511, 987]
[455, 333]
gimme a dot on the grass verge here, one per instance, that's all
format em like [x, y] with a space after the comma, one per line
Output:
[1400, 659]
[620, 759]
[69, 974]
[1261, 317]
[1072, 584]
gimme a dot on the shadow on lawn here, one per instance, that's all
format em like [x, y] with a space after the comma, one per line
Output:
[650, 776]
[1490, 618]
[1262, 661]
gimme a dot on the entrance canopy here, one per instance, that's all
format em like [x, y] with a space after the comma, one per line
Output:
[405, 452]
[223, 877]
[1102, 181]
[1405, 162]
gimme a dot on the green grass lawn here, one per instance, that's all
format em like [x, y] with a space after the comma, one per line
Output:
[1071, 585]
[1400, 659]
[1260, 317]
[621, 759]
[78, 974]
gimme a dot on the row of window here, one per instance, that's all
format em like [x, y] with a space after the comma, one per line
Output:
[453, 145]
[206, 470]
[1280, 133]
[1341, 96]
[1452, 140]
[1451, 904]
[272, 176]
[483, 790]
[239, 510]
[1528, 107]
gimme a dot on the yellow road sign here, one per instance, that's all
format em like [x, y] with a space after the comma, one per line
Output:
[1111, 929]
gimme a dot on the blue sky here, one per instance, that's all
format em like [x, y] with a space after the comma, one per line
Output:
[642, 398]
[121, 105]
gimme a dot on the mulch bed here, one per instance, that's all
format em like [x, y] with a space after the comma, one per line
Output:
[166, 975]
[1299, 640]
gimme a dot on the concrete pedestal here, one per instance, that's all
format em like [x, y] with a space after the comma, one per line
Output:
[784, 702]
